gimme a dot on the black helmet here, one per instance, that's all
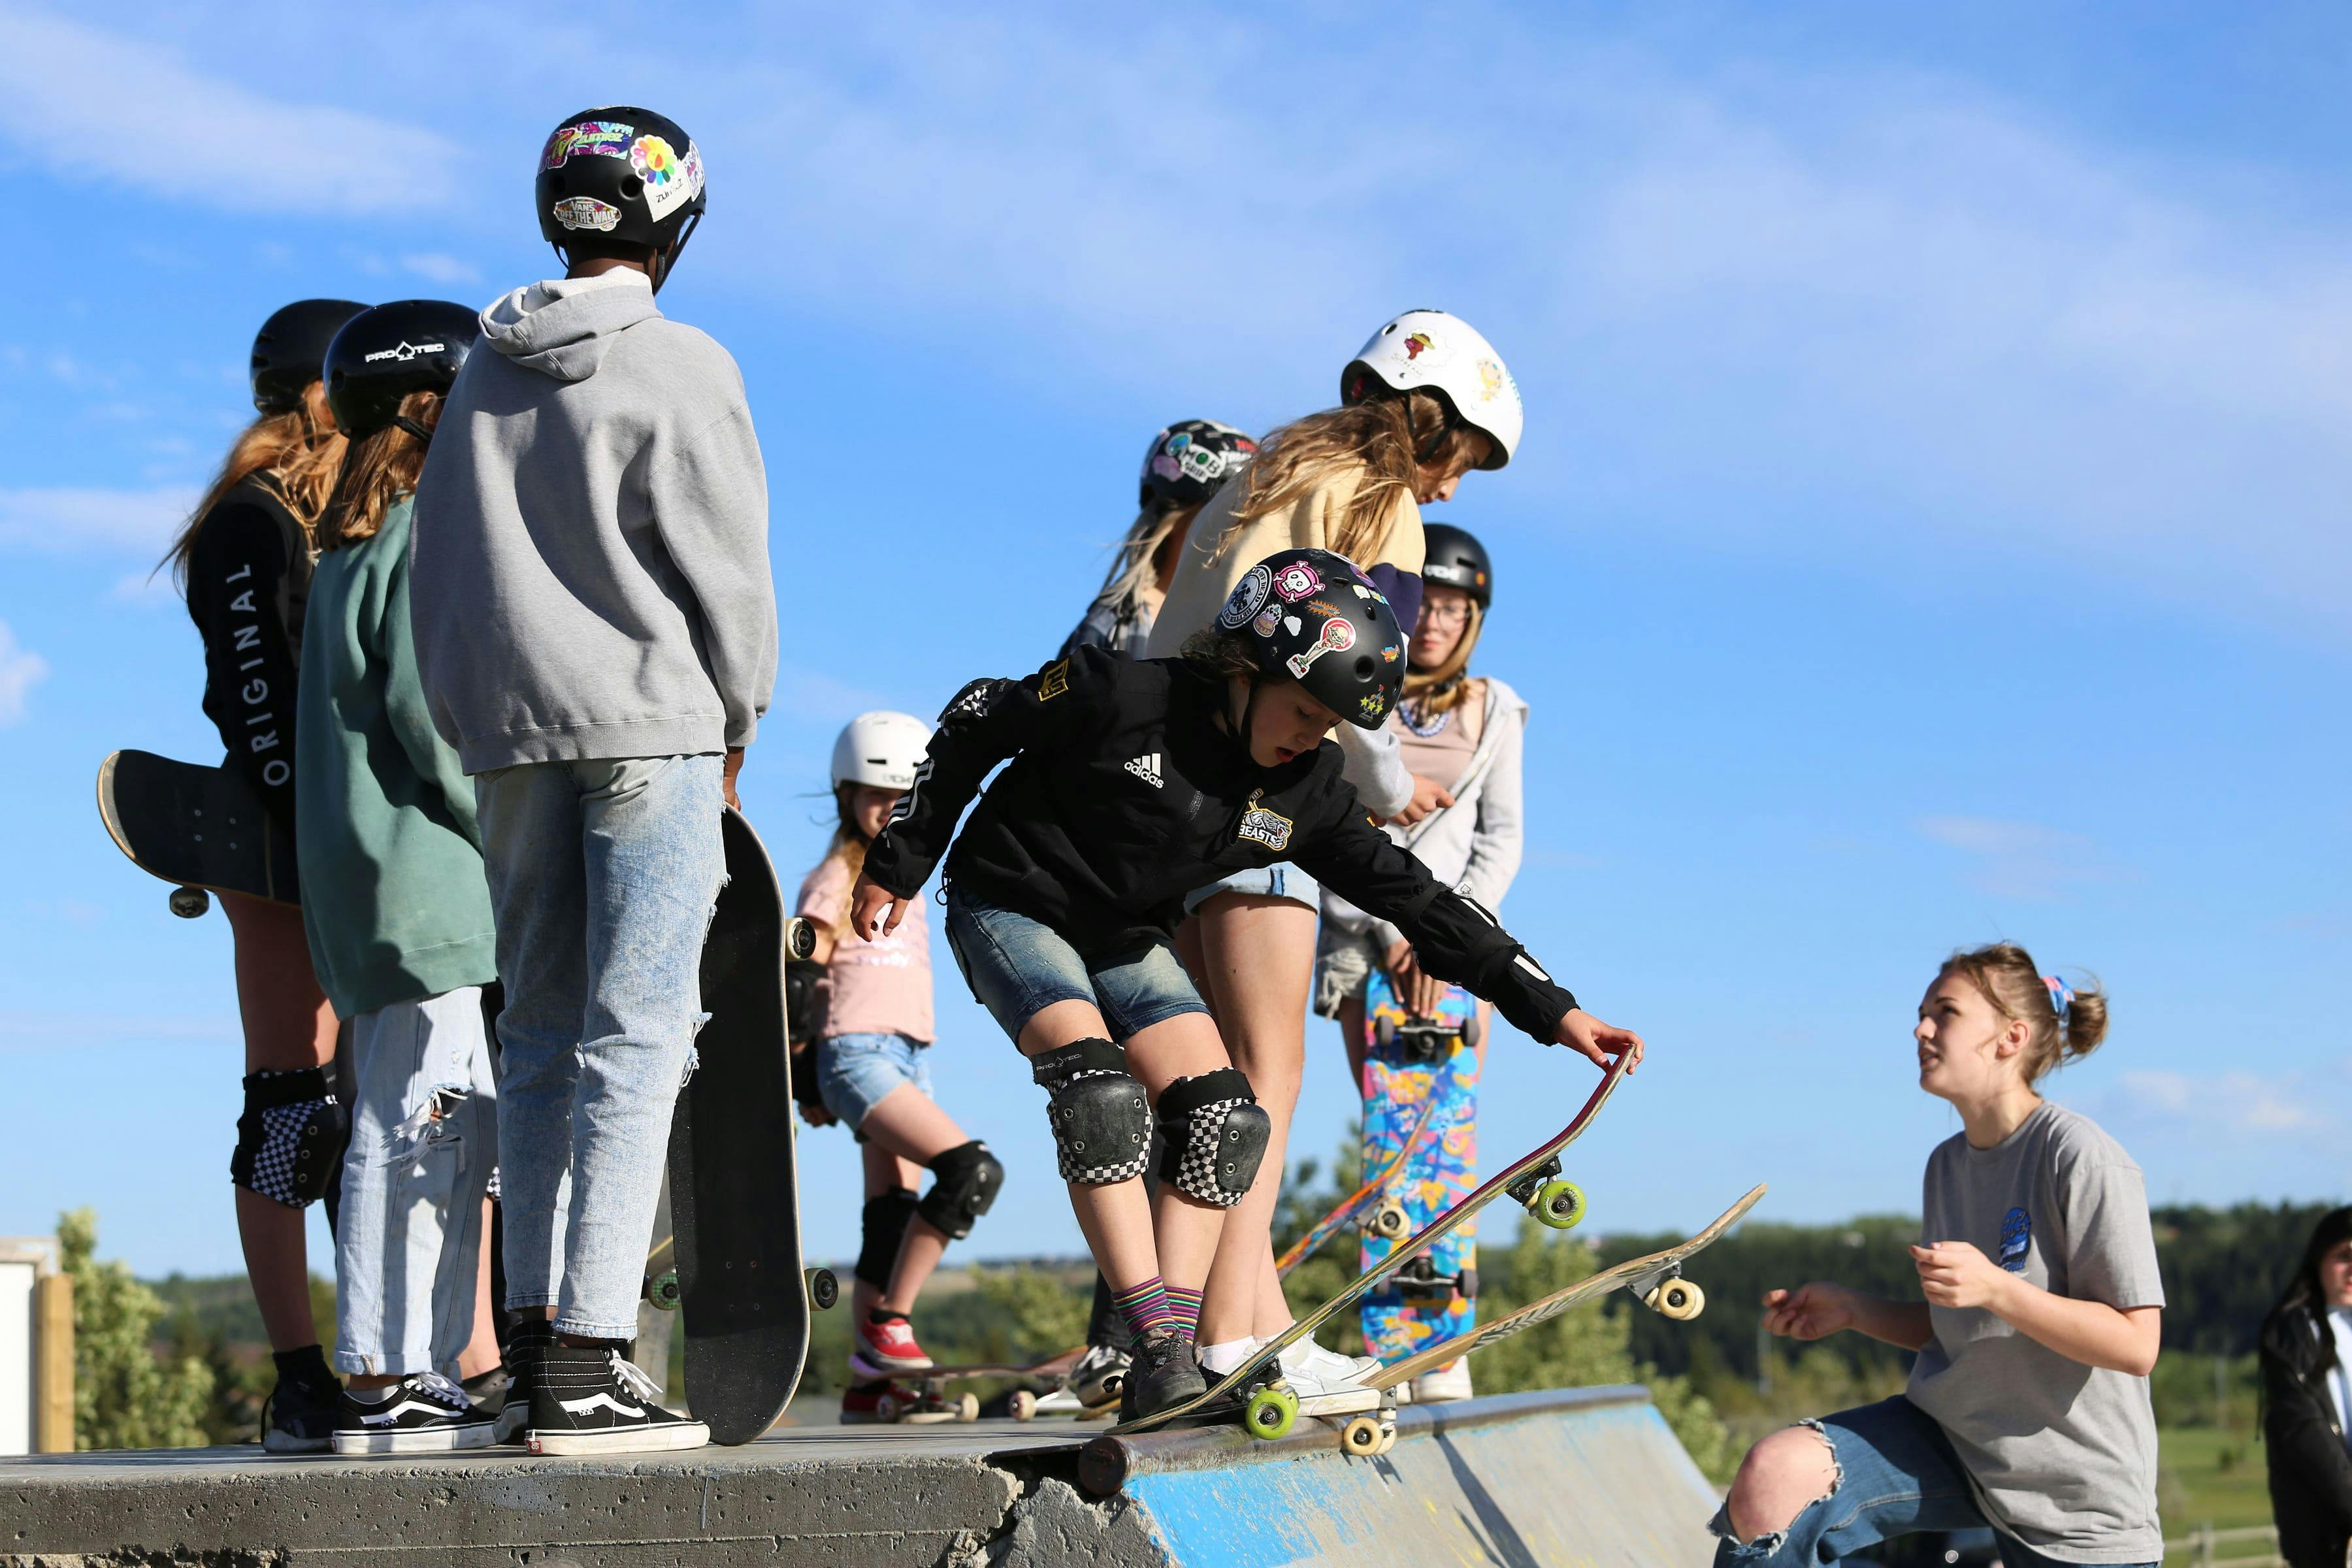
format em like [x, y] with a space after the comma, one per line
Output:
[1452, 558]
[1190, 461]
[290, 353]
[383, 354]
[1311, 614]
[621, 173]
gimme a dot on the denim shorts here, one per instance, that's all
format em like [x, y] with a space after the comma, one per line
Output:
[1897, 1473]
[1279, 880]
[1018, 967]
[855, 1071]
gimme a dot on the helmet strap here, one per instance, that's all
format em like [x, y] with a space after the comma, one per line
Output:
[667, 257]
[1425, 449]
[414, 428]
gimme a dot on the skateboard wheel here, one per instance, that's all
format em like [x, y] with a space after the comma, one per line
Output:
[1558, 1204]
[1270, 1413]
[1388, 1221]
[1473, 1028]
[1023, 1405]
[1384, 1034]
[662, 1291]
[1361, 1436]
[968, 1407]
[1680, 1300]
[189, 904]
[824, 1288]
[888, 1408]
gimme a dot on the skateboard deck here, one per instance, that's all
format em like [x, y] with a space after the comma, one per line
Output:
[1270, 1408]
[933, 1402]
[734, 1189]
[1388, 1215]
[1655, 1282]
[202, 829]
[1421, 1073]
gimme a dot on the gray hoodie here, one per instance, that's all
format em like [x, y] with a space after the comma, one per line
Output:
[589, 571]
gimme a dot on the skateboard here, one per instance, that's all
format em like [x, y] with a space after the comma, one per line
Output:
[734, 1191]
[1655, 1281]
[1387, 1218]
[202, 829]
[929, 1399]
[1269, 1405]
[1420, 1074]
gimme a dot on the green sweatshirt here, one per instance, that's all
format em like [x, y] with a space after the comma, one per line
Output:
[392, 893]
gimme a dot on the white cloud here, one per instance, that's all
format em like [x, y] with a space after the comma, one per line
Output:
[28, 1031]
[2019, 860]
[2232, 1102]
[21, 669]
[70, 518]
[441, 267]
[125, 110]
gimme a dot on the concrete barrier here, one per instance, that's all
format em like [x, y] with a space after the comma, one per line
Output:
[1584, 1476]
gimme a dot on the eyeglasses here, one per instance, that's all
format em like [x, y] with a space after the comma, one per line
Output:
[1453, 615]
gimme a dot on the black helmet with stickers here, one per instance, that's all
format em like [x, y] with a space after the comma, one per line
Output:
[1452, 558]
[1190, 461]
[290, 353]
[1311, 614]
[623, 174]
[384, 353]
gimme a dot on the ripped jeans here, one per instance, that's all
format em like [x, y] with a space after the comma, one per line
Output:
[425, 1134]
[1897, 1473]
[603, 875]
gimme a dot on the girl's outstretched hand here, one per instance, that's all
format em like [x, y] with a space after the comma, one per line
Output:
[1580, 1031]
[1809, 1312]
[869, 902]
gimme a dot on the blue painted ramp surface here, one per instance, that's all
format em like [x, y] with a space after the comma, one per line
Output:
[1588, 1475]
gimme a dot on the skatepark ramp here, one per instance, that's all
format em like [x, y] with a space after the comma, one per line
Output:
[1581, 1476]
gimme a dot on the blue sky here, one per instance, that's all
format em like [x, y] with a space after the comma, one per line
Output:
[1928, 526]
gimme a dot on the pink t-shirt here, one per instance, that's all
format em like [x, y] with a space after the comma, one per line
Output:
[871, 987]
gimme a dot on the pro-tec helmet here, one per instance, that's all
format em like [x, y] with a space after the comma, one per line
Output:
[1190, 461]
[881, 749]
[624, 174]
[290, 349]
[384, 353]
[1429, 351]
[1311, 614]
[1455, 559]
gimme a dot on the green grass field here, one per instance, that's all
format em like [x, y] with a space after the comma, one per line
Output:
[2205, 1476]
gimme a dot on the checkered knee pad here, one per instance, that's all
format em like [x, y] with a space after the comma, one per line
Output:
[1102, 1119]
[291, 1138]
[1216, 1137]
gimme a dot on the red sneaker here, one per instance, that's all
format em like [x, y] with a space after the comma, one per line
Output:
[890, 1345]
[875, 1401]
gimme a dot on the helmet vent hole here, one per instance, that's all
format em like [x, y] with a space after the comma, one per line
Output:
[632, 188]
[1363, 666]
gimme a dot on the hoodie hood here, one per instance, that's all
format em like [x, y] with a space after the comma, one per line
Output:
[563, 328]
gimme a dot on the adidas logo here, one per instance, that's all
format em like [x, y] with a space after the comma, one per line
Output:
[1147, 768]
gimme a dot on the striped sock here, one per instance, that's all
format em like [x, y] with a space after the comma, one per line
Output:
[1146, 1307]
[1185, 1306]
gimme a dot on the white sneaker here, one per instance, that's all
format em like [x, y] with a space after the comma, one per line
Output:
[1329, 1384]
[1444, 1384]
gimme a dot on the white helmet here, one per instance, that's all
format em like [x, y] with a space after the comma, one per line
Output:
[881, 749]
[1429, 351]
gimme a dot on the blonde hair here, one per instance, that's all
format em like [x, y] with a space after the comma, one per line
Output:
[379, 469]
[1134, 578]
[296, 452]
[1443, 688]
[1378, 441]
[2013, 984]
[848, 846]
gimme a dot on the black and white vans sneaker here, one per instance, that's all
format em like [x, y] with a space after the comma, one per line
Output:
[524, 1347]
[591, 1399]
[299, 1415]
[424, 1413]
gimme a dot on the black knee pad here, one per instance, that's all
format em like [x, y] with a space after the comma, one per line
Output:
[885, 1221]
[289, 1141]
[1216, 1136]
[804, 1004]
[965, 1180]
[1100, 1116]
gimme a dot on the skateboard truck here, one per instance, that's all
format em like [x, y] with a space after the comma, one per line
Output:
[1420, 1283]
[1666, 1292]
[1555, 1203]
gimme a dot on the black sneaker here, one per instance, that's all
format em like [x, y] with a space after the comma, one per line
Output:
[487, 1390]
[424, 1413]
[1164, 1373]
[530, 1338]
[589, 1399]
[1097, 1378]
[298, 1415]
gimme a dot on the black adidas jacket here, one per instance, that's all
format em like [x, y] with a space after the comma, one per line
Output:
[1126, 792]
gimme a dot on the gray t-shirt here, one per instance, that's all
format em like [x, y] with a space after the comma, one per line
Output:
[2062, 1454]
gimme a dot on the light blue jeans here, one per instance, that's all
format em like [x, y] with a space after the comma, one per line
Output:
[602, 875]
[854, 1073]
[425, 1134]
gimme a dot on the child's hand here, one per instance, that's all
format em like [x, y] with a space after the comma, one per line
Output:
[1581, 1031]
[869, 903]
[1809, 1312]
[728, 770]
[1428, 796]
[1955, 1274]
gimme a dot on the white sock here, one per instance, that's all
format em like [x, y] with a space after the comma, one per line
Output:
[1221, 1358]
